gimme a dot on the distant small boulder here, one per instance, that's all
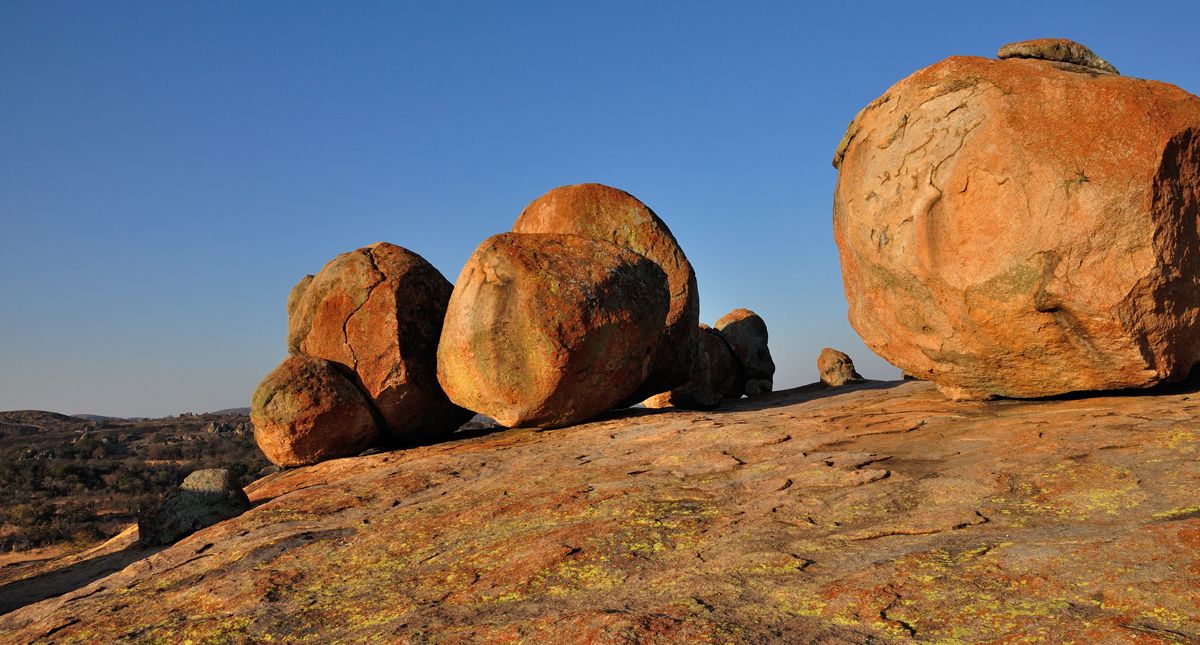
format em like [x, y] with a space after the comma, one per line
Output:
[746, 333]
[836, 368]
[205, 497]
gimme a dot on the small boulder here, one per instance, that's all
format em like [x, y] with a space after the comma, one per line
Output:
[549, 330]
[378, 311]
[746, 333]
[308, 410]
[1056, 49]
[606, 213]
[716, 375]
[836, 368]
[204, 498]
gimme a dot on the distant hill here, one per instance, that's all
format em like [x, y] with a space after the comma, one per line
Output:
[232, 411]
[26, 422]
[94, 417]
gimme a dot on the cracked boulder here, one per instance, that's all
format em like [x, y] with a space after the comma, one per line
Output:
[605, 213]
[549, 330]
[716, 376]
[309, 410]
[378, 311]
[1024, 227]
[746, 333]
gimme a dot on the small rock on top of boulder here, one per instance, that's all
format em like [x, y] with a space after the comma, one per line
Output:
[836, 368]
[378, 310]
[1056, 49]
[204, 498]
[606, 213]
[746, 333]
[549, 330]
[308, 410]
[716, 375]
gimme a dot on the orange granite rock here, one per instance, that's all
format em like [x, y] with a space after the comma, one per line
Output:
[836, 368]
[307, 410]
[1024, 228]
[378, 311]
[873, 513]
[613, 215]
[549, 330]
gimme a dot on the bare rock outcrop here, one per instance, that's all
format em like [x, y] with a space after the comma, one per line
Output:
[716, 375]
[378, 311]
[862, 515]
[308, 410]
[836, 368]
[549, 330]
[606, 213]
[746, 333]
[204, 498]
[1024, 228]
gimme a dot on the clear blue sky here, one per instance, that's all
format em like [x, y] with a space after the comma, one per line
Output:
[169, 169]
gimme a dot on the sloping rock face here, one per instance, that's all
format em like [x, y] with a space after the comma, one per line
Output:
[548, 330]
[378, 310]
[307, 410]
[746, 333]
[1024, 228]
[606, 213]
[716, 375]
[872, 513]
[204, 498]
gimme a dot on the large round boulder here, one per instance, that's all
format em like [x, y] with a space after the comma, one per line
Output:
[746, 333]
[548, 330]
[836, 369]
[308, 410]
[378, 311]
[1024, 227]
[606, 213]
[716, 375]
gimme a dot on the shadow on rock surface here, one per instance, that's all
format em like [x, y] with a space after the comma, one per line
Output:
[27, 591]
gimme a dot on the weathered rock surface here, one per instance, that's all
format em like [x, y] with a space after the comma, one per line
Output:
[746, 333]
[378, 310]
[716, 375]
[1056, 49]
[836, 368]
[871, 513]
[204, 498]
[1001, 235]
[308, 410]
[613, 215]
[548, 330]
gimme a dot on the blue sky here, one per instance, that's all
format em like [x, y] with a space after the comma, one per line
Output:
[169, 169]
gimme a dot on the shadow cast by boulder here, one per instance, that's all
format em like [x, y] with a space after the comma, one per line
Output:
[27, 591]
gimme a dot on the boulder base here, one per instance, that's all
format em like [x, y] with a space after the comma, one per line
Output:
[716, 376]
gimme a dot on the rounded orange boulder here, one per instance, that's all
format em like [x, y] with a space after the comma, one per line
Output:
[716, 376]
[378, 311]
[549, 330]
[1024, 227]
[606, 213]
[308, 410]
